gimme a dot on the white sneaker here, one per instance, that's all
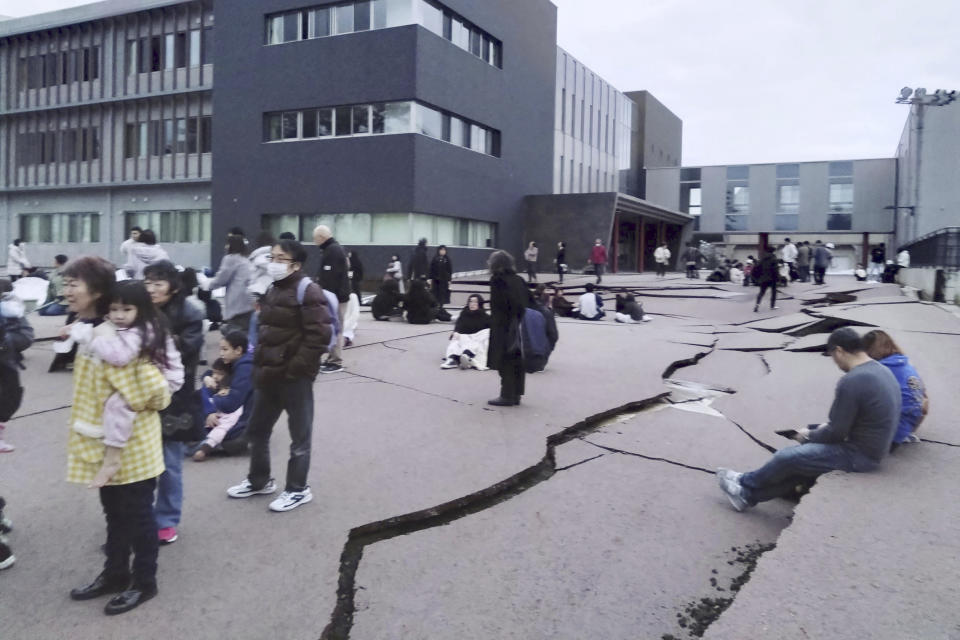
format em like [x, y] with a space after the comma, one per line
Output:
[449, 363]
[245, 489]
[289, 500]
[728, 474]
[647, 318]
[730, 485]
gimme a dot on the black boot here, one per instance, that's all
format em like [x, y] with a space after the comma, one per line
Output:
[130, 599]
[502, 402]
[101, 586]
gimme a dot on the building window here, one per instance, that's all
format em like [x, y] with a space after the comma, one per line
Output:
[173, 226]
[788, 197]
[691, 195]
[60, 227]
[840, 216]
[63, 67]
[738, 199]
[388, 228]
[364, 15]
[379, 119]
[68, 145]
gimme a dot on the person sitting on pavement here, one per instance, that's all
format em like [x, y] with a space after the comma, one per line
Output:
[862, 422]
[590, 305]
[237, 401]
[386, 304]
[470, 339]
[560, 306]
[419, 303]
[860, 273]
[629, 310]
[216, 385]
[540, 335]
[914, 403]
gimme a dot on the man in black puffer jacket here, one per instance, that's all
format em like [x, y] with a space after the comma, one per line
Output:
[293, 333]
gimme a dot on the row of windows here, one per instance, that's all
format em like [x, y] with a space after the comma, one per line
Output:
[387, 228]
[172, 226]
[594, 180]
[364, 15]
[62, 67]
[170, 135]
[170, 51]
[378, 119]
[60, 227]
[68, 145]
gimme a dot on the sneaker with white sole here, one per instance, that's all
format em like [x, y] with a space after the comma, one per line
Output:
[450, 363]
[732, 489]
[728, 474]
[289, 500]
[6, 556]
[245, 489]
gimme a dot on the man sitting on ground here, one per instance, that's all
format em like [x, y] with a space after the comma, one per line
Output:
[862, 422]
[590, 306]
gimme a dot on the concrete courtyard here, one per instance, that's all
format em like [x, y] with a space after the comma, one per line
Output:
[590, 511]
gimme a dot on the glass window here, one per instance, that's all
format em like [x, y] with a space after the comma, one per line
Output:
[839, 222]
[206, 134]
[206, 46]
[459, 132]
[432, 17]
[690, 175]
[361, 119]
[422, 227]
[429, 122]
[344, 16]
[485, 50]
[788, 171]
[195, 47]
[132, 49]
[169, 51]
[497, 51]
[459, 34]
[310, 124]
[181, 144]
[788, 198]
[342, 121]
[272, 127]
[290, 121]
[738, 198]
[168, 138]
[738, 173]
[361, 15]
[735, 223]
[277, 224]
[309, 223]
[192, 135]
[321, 22]
[841, 197]
[291, 26]
[324, 122]
[786, 222]
[392, 13]
[396, 117]
[275, 30]
[446, 230]
[476, 41]
[180, 50]
[841, 169]
[353, 228]
[478, 138]
[391, 228]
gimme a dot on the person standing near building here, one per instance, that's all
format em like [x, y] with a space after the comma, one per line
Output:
[508, 301]
[127, 244]
[878, 257]
[419, 263]
[821, 260]
[294, 331]
[144, 253]
[334, 277]
[441, 273]
[661, 256]
[530, 255]
[16, 260]
[803, 261]
[598, 258]
[789, 256]
[692, 257]
[55, 306]
[235, 275]
[766, 274]
[561, 259]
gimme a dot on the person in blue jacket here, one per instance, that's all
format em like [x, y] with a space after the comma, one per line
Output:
[234, 352]
[914, 402]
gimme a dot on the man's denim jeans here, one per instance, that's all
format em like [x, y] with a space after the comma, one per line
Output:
[296, 398]
[789, 466]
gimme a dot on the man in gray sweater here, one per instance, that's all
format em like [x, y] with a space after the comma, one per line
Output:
[863, 420]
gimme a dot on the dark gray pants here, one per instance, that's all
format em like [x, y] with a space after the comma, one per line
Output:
[296, 398]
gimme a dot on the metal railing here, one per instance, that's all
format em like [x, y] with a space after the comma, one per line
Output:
[940, 249]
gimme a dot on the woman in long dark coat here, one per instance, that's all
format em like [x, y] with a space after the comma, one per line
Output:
[508, 299]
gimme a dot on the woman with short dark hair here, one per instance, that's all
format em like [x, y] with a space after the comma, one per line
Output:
[235, 274]
[508, 300]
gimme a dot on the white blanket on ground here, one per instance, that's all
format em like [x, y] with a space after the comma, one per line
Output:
[476, 343]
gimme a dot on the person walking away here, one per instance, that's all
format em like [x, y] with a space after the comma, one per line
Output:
[914, 403]
[598, 258]
[692, 257]
[419, 263]
[878, 257]
[144, 253]
[395, 271]
[126, 477]
[235, 275]
[55, 305]
[441, 273]
[789, 256]
[822, 257]
[169, 293]
[508, 300]
[530, 256]
[862, 422]
[127, 245]
[334, 278]
[561, 259]
[259, 259]
[661, 256]
[803, 261]
[294, 331]
[16, 335]
[17, 261]
[766, 274]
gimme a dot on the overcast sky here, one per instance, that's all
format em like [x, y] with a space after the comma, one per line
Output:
[758, 80]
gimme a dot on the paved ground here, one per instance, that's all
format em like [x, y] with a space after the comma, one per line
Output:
[588, 512]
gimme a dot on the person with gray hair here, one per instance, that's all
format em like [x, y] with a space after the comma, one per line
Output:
[508, 301]
[334, 276]
[862, 422]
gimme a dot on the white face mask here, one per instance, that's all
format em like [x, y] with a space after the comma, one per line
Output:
[277, 270]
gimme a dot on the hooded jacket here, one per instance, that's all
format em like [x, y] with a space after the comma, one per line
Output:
[16, 260]
[912, 392]
[141, 256]
[235, 273]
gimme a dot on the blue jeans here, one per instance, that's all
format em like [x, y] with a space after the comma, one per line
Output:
[53, 309]
[789, 466]
[170, 486]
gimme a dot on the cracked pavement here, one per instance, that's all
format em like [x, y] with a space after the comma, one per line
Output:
[586, 512]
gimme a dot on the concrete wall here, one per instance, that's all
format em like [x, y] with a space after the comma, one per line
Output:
[925, 279]
[393, 173]
[577, 219]
[111, 205]
[656, 142]
[663, 187]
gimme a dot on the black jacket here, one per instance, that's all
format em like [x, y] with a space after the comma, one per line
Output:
[441, 268]
[509, 296]
[185, 322]
[333, 274]
[420, 305]
[386, 301]
[767, 271]
[419, 264]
